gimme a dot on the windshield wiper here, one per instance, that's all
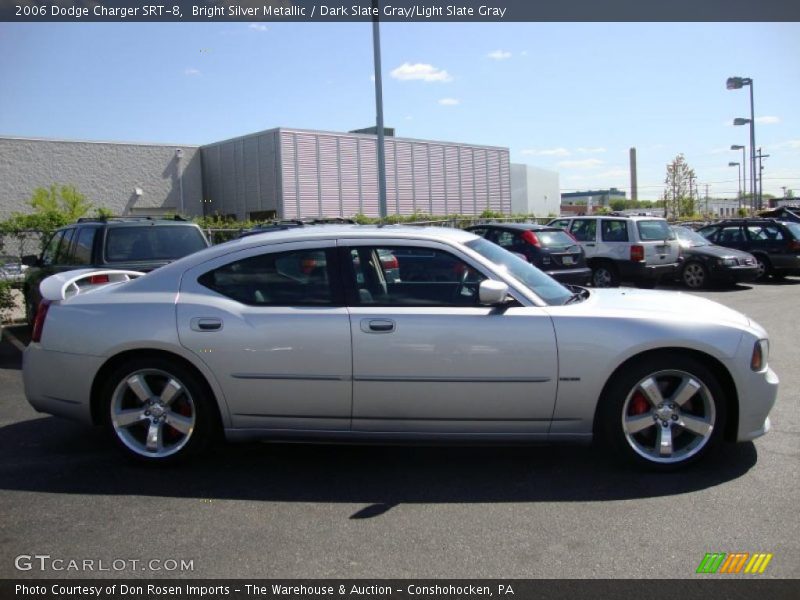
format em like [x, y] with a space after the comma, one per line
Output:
[579, 294]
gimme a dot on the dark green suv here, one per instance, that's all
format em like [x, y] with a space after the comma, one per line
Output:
[135, 243]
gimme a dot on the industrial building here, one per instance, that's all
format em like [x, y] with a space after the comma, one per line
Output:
[592, 198]
[283, 173]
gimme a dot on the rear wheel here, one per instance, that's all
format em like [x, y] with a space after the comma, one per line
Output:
[604, 274]
[664, 413]
[694, 275]
[764, 267]
[156, 410]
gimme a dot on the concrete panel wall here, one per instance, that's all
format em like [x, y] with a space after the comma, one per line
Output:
[240, 175]
[106, 173]
[534, 191]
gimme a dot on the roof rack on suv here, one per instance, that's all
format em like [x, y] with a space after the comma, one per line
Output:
[106, 219]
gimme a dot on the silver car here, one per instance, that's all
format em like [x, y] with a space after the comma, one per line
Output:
[300, 334]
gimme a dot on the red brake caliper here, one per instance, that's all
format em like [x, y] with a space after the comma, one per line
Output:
[638, 405]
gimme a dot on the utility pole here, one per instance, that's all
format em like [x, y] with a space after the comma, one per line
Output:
[706, 199]
[760, 179]
[376, 49]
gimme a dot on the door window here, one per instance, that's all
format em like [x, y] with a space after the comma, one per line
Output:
[414, 276]
[729, 235]
[296, 278]
[50, 251]
[764, 233]
[63, 254]
[83, 246]
[584, 230]
[614, 231]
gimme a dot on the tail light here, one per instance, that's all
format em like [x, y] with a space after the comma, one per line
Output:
[531, 238]
[98, 279]
[38, 322]
[637, 253]
[390, 262]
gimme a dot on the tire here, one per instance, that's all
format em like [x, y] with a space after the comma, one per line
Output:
[157, 411]
[694, 275]
[665, 426]
[764, 267]
[604, 274]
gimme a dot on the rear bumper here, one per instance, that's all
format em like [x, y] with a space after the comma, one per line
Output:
[59, 383]
[636, 271]
[580, 276]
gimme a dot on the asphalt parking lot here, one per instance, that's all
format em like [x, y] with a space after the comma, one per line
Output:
[286, 511]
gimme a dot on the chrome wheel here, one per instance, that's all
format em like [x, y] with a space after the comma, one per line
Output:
[694, 275]
[153, 413]
[762, 271]
[669, 416]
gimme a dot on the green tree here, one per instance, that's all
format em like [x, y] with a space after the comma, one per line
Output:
[619, 205]
[677, 198]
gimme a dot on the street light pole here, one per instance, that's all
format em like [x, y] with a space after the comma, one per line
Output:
[376, 48]
[739, 181]
[736, 83]
[743, 188]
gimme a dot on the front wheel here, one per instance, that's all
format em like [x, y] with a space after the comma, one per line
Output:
[694, 276]
[156, 410]
[764, 268]
[664, 413]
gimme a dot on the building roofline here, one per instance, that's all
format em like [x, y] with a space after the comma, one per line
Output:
[348, 134]
[112, 142]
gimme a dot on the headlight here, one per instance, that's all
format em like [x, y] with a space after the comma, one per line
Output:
[758, 362]
[728, 262]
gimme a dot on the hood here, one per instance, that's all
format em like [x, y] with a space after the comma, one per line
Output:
[634, 302]
[715, 251]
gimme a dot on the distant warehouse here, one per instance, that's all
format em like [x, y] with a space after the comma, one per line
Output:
[294, 173]
[278, 173]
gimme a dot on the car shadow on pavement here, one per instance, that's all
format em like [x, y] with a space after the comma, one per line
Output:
[59, 457]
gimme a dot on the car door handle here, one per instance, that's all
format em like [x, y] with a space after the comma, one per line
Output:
[206, 324]
[377, 325]
[590, 244]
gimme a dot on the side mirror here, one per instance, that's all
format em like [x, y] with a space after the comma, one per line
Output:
[492, 292]
[30, 260]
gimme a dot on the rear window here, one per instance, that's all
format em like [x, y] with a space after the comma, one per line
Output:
[142, 243]
[651, 231]
[794, 228]
[551, 239]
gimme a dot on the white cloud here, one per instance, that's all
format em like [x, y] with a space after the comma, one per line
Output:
[595, 150]
[589, 163]
[449, 101]
[546, 152]
[499, 55]
[192, 72]
[420, 72]
[790, 144]
[258, 27]
[767, 120]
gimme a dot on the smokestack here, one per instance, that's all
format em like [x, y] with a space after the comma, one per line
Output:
[634, 191]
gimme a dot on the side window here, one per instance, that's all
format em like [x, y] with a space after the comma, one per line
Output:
[730, 234]
[83, 246]
[411, 276]
[614, 231]
[295, 278]
[480, 231]
[710, 233]
[584, 230]
[562, 223]
[63, 256]
[506, 239]
[50, 251]
[764, 233]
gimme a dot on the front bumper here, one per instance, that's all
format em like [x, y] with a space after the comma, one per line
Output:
[738, 274]
[757, 395]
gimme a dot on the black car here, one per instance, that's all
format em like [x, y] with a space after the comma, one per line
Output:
[775, 244]
[704, 262]
[134, 243]
[551, 249]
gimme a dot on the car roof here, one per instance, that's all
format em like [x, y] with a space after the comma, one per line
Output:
[129, 221]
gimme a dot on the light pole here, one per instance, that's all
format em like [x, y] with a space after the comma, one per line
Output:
[759, 156]
[736, 83]
[736, 164]
[743, 174]
[376, 49]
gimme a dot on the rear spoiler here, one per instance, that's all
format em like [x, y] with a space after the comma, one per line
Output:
[64, 285]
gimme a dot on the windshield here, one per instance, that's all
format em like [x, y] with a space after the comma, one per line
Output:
[544, 286]
[689, 238]
[143, 243]
[651, 231]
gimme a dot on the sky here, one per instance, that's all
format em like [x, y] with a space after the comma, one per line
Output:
[569, 97]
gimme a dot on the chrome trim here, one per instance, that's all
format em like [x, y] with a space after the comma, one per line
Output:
[407, 379]
[289, 377]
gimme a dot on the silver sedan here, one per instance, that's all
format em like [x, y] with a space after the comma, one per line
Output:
[389, 333]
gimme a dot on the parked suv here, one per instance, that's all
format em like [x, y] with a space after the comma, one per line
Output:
[136, 243]
[549, 248]
[641, 250]
[775, 244]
